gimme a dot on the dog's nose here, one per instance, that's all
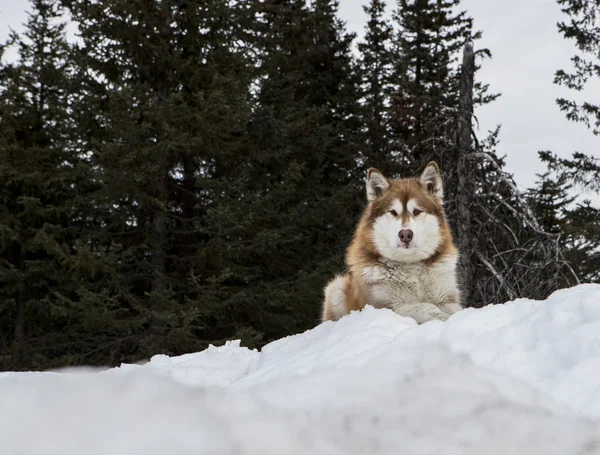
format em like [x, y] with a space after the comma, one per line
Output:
[406, 235]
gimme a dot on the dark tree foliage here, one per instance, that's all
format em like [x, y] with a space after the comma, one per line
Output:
[302, 181]
[163, 109]
[558, 205]
[550, 201]
[427, 45]
[42, 180]
[376, 68]
[583, 247]
[582, 26]
[581, 170]
[562, 212]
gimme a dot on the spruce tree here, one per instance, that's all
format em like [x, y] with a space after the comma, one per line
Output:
[569, 215]
[583, 235]
[42, 179]
[578, 219]
[430, 37]
[376, 64]
[302, 182]
[583, 27]
[550, 201]
[164, 109]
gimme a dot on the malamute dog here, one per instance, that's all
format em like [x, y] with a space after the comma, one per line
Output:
[402, 255]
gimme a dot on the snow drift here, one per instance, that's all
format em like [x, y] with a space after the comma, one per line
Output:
[523, 377]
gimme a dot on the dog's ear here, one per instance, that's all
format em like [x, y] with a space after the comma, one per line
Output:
[377, 184]
[432, 179]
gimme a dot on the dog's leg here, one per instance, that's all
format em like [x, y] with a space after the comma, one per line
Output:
[420, 312]
[335, 305]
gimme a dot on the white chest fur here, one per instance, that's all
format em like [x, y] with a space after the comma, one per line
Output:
[389, 283]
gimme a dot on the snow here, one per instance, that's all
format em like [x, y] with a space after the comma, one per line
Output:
[523, 377]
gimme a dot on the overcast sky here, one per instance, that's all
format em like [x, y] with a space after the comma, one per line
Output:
[527, 50]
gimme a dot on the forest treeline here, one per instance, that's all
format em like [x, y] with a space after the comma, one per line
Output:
[187, 172]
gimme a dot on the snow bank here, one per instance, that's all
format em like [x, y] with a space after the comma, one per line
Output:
[523, 377]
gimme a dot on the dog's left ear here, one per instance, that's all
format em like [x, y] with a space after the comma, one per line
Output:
[432, 179]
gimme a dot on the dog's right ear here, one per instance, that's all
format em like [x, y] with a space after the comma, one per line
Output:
[377, 184]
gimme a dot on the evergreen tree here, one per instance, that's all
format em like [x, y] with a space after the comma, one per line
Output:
[550, 201]
[583, 26]
[41, 181]
[583, 234]
[427, 45]
[301, 185]
[376, 72]
[581, 170]
[163, 113]
[575, 219]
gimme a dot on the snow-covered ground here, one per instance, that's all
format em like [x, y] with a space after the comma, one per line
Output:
[518, 378]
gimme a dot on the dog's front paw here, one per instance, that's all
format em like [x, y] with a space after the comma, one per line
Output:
[436, 314]
[420, 312]
[441, 316]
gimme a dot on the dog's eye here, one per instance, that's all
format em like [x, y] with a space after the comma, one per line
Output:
[393, 212]
[417, 211]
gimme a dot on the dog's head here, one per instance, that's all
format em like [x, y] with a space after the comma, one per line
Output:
[406, 218]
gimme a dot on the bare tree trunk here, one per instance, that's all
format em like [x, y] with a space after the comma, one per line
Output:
[464, 148]
[189, 187]
[19, 335]
[159, 234]
[159, 208]
[158, 243]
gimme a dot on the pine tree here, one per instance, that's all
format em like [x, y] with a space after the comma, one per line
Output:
[581, 170]
[583, 247]
[300, 196]
[41, 182]
[579, 221]
[376, 72]
[428, 43]
[583, 26]
[575, 219]
[550, 201]
[163, 111]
